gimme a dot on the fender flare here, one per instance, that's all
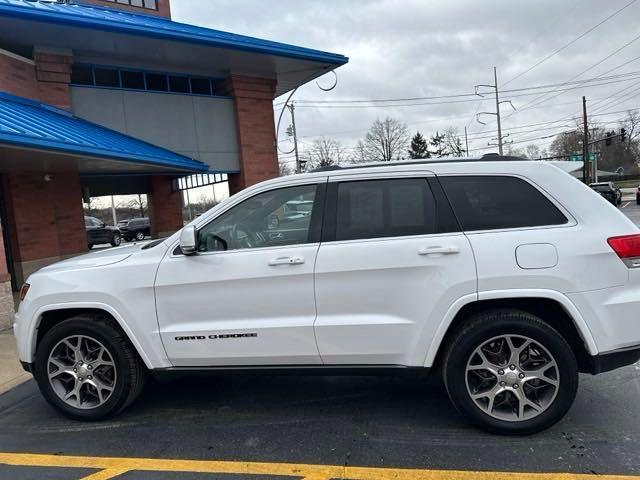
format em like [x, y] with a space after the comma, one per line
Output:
[578, 320]
[93, 306]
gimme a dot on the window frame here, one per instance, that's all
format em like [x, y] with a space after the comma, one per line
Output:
[127, 3]
[571, 221]
[213, 80]
[315, 224]
[443, 206]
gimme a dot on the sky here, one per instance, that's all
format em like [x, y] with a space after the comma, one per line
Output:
[419, 48]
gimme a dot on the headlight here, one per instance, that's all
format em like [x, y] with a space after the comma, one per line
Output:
[23, 290]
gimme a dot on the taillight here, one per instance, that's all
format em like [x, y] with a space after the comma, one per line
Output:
[627, 247]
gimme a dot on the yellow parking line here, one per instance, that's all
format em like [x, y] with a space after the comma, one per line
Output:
[111, 467]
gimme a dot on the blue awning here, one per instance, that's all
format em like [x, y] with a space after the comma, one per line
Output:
[30, 124]
[104, 18]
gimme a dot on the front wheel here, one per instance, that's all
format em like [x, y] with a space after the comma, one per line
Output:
[87, 369]
[510, 372]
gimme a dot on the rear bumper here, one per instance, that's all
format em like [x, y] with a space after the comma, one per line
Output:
[605, 362]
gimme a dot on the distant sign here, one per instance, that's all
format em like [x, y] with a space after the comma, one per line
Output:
[578, 158]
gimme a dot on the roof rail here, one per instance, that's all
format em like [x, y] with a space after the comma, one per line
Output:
[489, 157]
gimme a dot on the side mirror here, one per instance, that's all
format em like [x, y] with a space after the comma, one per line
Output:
[188, 240]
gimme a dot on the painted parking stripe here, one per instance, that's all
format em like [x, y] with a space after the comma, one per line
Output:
[625, 205]
[111, 467]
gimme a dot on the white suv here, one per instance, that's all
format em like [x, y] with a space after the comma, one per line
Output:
[509, 277]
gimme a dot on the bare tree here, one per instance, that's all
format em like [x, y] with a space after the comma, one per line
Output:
[359, 154]
[325, 152]
[532, 151]
[138, 203]
[285, 168]
[386, 140]
[452, 144]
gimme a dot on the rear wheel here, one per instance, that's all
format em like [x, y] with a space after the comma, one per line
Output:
[116, 240]
[139, 236]
[87, 369]
[510, 372]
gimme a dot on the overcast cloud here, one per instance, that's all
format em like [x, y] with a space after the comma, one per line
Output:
[428, 48]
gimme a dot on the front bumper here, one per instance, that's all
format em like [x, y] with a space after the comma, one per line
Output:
[605, 362]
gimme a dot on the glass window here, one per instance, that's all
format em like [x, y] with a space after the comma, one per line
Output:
[178, 84]
[150, 4]
[157, 82]
[385, 208]
[200, 86]
[82, 75]
[496, 202]
[133, 80]
[269, 219]
[107, 77]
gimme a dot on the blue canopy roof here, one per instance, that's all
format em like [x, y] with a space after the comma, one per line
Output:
[30, 124]
[104, 18]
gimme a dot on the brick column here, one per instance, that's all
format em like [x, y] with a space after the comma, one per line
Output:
[45, 219]
[53, 73]
[165, 207]
[253, 104]
[7, 307]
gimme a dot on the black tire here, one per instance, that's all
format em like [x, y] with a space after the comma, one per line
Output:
[116, 240]
[487, 325]
[140, 236]
[131, 372]
[90, 246]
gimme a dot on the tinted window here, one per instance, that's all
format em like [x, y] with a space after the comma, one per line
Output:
[495, 202]
[134, 80]
[82, 75]
[179, 84]
[261, 221]
[157, 82]
[107, 77]
[200, 86]
[385, 208]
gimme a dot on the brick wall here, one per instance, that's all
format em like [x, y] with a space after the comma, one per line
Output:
[18, 77]
[164, 8]
[44, 218]
[53, 75]
[165, 207]
[253, 104]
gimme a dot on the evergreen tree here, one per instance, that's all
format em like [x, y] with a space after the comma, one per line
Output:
[437, 144]
[419, 147]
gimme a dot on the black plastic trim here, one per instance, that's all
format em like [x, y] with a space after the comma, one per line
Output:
[605, 362]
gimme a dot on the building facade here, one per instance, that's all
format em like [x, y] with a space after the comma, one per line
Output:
[107, 97]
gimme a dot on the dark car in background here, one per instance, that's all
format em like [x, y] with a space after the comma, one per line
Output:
[99, 232]
[609, 191]
[135, 228]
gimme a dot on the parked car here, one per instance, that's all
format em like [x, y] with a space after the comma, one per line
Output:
[507, 276]
[135, 228]
[608, 190]
[638, 195]
[99, 232]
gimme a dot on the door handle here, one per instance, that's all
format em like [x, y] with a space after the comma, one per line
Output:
[439, 250]
[286, 261]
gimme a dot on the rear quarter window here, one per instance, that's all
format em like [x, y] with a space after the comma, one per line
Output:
[499, 202]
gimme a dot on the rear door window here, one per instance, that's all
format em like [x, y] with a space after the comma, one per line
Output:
[499, 202]
[385, 208]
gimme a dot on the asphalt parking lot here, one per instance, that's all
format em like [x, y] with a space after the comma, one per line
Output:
[313, 427]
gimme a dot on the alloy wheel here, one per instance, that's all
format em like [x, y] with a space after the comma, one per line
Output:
[82, 372]
[512, 377]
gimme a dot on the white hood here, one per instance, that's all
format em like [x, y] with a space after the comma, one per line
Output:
[100, 258]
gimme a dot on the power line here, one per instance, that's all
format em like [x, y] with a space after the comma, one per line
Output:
[566, 45]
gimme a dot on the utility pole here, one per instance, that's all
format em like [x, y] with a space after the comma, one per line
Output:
[295, 137]
[113, 211]
[497, 112]
[495, 78]
[466, 141]
[585, 144]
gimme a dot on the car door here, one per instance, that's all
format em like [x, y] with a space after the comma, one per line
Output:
[246, 297]
[93, 230]
[391, 264]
